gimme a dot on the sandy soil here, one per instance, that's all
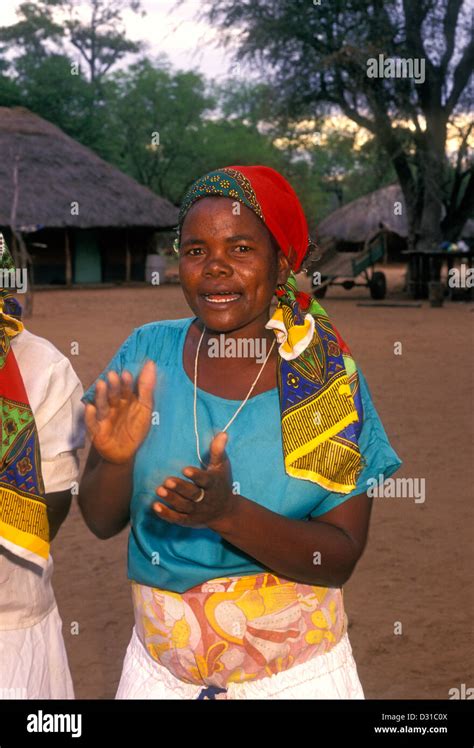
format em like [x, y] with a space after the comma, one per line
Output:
[417, 568]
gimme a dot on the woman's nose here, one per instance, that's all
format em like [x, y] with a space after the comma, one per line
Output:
[217, 265]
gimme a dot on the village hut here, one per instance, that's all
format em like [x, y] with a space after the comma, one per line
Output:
[82, 220]
[380, 215]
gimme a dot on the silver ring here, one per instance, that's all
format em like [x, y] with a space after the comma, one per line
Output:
[201, 496]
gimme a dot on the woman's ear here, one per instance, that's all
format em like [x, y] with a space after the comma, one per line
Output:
[284, 267]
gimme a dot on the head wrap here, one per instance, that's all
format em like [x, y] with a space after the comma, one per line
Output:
[268, 194]
[320, 402]
[24, 528]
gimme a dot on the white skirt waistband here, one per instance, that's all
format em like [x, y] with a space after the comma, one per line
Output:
[329, 676]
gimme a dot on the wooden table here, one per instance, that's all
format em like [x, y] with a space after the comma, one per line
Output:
[426, 267]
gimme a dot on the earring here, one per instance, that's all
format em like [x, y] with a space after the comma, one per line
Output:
[313, 254]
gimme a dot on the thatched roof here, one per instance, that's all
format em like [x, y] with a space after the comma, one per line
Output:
[54, 171]
[362, 218]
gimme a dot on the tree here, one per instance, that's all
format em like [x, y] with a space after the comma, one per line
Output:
[47, 26]
[44, 77]
[171, 130]
[323, 160]
[158, 114]
[101, 41]
[34, 29]
[356, 56]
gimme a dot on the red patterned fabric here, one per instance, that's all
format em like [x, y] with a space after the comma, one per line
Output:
[282, 211]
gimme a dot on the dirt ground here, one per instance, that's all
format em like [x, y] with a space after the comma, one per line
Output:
[417, 568]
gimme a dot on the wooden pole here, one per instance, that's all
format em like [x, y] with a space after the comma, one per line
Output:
[128, 259]
[20, 253]
[68, 260]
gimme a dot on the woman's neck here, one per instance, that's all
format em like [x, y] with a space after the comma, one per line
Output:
[252, 341]
[230, 370]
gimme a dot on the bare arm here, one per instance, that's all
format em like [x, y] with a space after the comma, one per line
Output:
[105, 493]
[321, 551]
[117, 422]
[58, 505]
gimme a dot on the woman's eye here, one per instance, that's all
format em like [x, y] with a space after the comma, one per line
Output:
[194, 249]
[244, 247]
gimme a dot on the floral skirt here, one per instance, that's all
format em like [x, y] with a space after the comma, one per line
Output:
[235, 630]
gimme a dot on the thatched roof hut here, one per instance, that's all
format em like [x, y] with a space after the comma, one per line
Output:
[361, 219]
[56, 172]
[379, 214]
[81, 219]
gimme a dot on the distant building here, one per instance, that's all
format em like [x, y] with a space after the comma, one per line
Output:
[83, 220]
[379, 215]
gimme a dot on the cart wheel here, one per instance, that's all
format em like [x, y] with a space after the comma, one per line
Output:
[378, 285]
[319, 291]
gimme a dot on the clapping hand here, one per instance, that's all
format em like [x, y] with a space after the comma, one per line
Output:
[119, 420]
[204, 499]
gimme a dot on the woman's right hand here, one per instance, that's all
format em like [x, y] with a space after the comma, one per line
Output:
[119, 420]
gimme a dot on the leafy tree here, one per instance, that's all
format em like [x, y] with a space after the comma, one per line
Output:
[319, 58]
[326, 165]
[172, 130]
[47, 26]
[101, 41]
[159, 116]
[34, 31]
[10, 92]
[44, 77]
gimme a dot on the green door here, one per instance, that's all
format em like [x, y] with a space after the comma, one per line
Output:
[87, 259]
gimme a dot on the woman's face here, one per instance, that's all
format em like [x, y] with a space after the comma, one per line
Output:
[229, 264]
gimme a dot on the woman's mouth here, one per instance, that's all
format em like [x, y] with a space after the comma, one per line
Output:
[221, 297]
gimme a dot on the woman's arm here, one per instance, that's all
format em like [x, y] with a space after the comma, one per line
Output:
[321, 551]
[105, 493]
[57, 505]
[118, 422]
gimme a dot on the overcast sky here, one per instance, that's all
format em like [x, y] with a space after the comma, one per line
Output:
[166, 28]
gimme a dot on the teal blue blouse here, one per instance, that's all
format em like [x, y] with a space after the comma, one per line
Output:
[177, 558]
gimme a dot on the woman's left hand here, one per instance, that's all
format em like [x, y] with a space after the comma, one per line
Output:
[181, 495]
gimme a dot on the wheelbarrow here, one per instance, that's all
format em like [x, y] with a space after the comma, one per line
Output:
[349, 269]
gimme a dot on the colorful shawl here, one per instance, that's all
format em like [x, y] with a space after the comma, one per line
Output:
[24, 528]
[320, 402]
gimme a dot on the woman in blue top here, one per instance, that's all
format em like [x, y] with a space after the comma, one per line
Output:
[239, 447]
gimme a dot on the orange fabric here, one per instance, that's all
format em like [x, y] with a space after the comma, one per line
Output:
[235, 629]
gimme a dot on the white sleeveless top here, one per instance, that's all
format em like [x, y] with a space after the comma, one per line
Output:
[54, 393]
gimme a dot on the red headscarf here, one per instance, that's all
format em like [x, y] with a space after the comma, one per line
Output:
[268, 194]
[282, 211]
